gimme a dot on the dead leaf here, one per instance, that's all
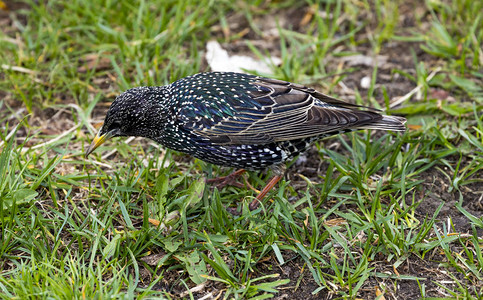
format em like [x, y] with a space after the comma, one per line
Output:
[308, 15]
[219, 60]
[379, 294]
[153, 259]
[364, 60]
[94, 61]
[154, 222]
[414, 127]
[439, 94]
[98, 125]
[335, 222]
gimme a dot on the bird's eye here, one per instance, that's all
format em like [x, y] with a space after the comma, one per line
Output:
[115, 125]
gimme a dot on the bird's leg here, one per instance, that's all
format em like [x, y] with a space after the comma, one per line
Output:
[264, 192]
[231, 179]
[279, 171]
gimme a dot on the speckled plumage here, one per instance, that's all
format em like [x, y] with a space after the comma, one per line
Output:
[237, 120]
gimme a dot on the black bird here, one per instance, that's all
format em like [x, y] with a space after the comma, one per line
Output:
[236, 120]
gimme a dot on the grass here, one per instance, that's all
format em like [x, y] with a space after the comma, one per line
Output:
[368, 215]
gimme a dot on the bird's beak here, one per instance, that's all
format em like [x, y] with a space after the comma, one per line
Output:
[98, 140]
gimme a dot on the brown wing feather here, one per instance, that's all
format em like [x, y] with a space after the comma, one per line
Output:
[294, 112]
[314, 93]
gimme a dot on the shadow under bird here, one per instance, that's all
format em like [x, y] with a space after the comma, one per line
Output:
[236, 120]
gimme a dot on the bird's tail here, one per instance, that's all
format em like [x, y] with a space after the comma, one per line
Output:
[393, 123]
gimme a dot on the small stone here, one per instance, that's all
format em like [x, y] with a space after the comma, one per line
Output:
[366, 82]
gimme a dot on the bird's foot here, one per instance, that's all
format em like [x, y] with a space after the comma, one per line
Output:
[261, 195]
[232, 179]
[254, 204]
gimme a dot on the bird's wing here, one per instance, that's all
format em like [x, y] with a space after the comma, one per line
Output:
[271, 110]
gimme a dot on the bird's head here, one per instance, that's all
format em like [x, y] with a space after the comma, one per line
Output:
[136, 112]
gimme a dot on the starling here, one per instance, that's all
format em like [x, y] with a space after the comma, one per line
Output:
[236, 120]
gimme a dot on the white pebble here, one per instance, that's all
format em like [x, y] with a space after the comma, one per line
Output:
[366, 82]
